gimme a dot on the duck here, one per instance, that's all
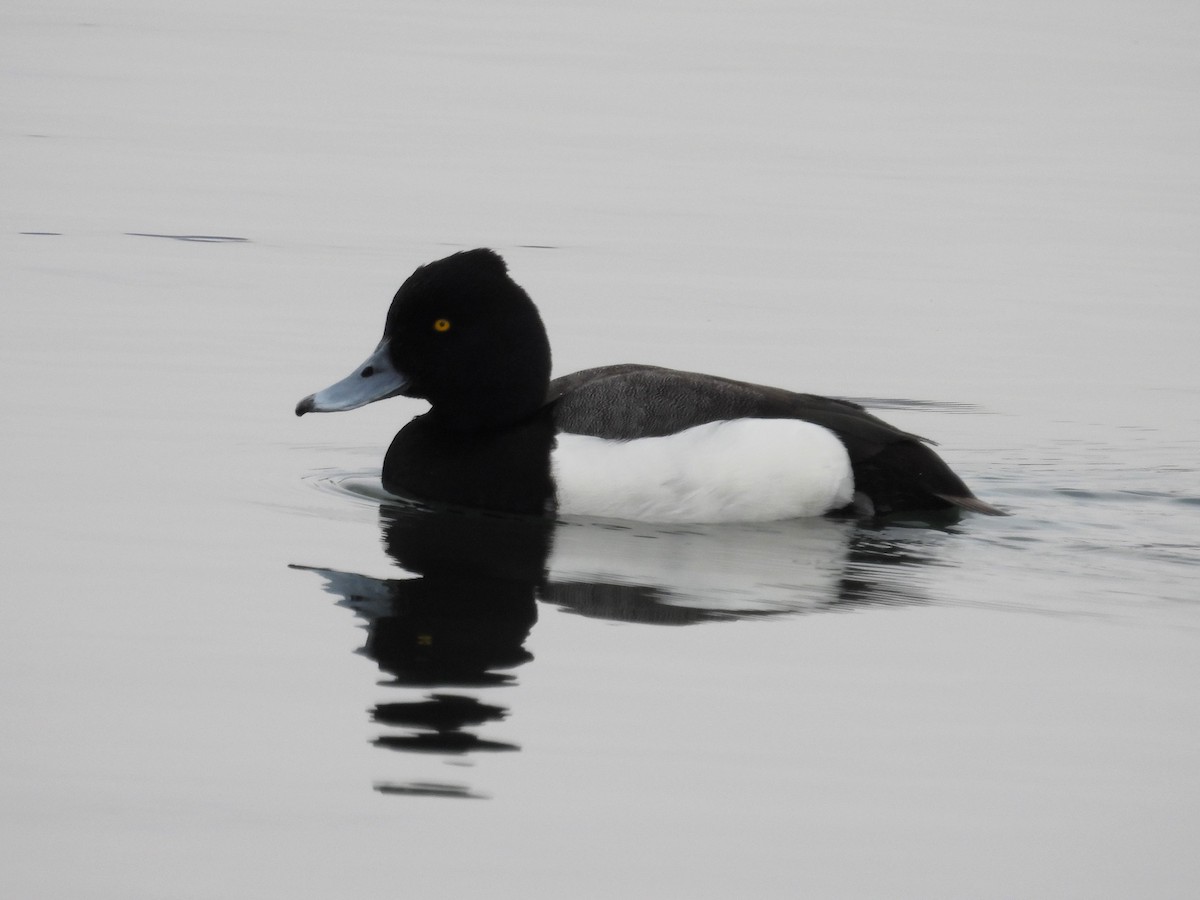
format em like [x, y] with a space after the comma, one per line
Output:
[627, 441]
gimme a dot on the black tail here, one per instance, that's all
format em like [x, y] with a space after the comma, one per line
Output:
[908, 476]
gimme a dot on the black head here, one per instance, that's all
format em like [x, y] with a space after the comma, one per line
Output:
[469, 340]
[461, 334]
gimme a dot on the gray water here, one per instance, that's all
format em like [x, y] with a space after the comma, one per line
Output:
[229, 670]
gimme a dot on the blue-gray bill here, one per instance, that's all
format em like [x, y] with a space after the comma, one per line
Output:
[375, 379]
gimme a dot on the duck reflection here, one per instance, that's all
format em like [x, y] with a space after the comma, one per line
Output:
[460, 622]
[685, 575]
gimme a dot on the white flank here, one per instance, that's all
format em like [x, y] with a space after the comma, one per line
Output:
[745, 470]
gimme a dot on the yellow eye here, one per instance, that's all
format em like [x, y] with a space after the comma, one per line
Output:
[441, 325]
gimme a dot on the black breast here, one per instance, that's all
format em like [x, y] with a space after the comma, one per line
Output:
[505, 469]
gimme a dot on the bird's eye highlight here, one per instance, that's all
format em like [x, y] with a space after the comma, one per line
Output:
[441, 325]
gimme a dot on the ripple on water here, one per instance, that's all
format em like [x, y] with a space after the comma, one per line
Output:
[363, 486]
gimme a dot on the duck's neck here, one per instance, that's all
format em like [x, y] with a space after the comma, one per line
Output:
[512, 390]
[495, 407]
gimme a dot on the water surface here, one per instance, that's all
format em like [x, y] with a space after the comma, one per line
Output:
[230, 670]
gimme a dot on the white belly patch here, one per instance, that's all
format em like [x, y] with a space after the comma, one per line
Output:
[744, 470]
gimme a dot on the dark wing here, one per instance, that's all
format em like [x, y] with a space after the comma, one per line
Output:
[892, 467]
[634, 401]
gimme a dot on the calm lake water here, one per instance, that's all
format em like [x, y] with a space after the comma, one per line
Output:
[230, 669]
